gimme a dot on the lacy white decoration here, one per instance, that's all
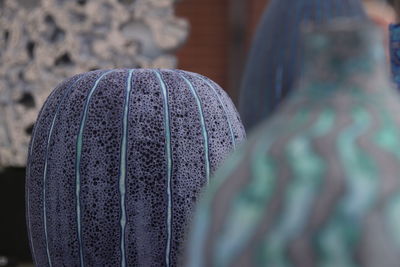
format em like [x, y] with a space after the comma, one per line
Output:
[44, 41]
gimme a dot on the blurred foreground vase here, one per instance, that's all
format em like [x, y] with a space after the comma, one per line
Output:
[276, 56]
[117, 160]
[319, 184]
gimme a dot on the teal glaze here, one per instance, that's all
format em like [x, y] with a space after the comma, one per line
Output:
[45, 173]
[203, 127]
[223, 108]
[78, 163]
[317, 185]
[169, 164]
[32, 247]
[122, 178]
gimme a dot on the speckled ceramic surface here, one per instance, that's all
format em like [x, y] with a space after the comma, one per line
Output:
[116, 163]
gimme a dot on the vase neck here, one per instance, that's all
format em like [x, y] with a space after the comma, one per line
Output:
[343, 55]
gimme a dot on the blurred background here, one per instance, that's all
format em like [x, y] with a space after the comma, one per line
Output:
[43, 42]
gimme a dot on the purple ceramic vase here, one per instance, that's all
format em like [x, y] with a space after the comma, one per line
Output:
[117, 161]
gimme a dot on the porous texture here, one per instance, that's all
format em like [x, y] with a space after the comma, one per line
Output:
[117, 161]
[276, 57]
[318, 184]
[45, 41]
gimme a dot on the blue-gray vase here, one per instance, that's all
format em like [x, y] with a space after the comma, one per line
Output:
[275, 60]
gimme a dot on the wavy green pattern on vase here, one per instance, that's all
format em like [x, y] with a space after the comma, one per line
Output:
[326, 193]
[387, 139]
[361, 182]
[242, 218]
[308, 168]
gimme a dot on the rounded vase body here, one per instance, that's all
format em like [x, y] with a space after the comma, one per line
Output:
[116, 162]
[318, 184]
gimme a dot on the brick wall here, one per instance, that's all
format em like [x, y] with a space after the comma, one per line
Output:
[206, 51]
[209, 47]
[256, 9]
